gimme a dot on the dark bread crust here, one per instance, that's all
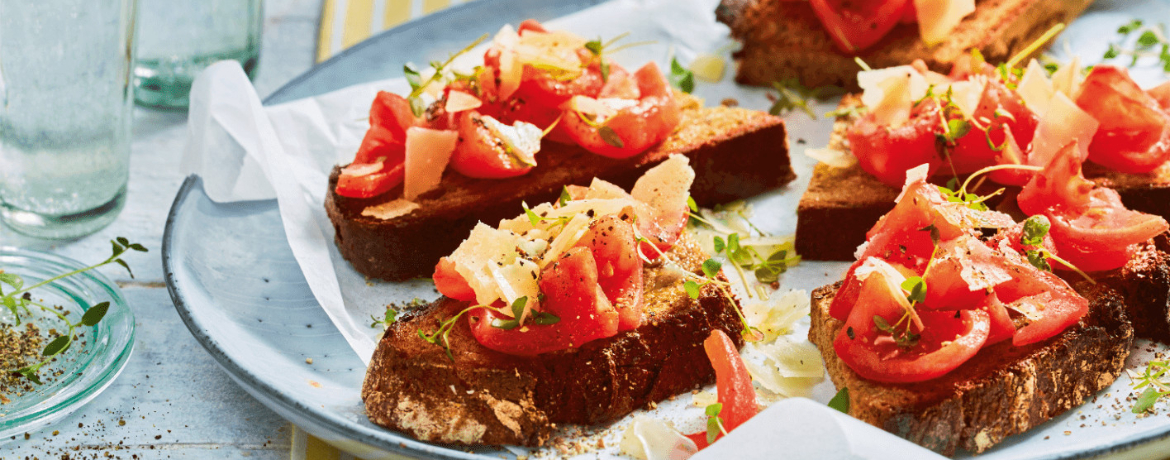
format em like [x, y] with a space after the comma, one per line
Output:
[1002, 391]
[486, 397]
[736, 153]
[1145, 284]
[842, 204]
[784, 39]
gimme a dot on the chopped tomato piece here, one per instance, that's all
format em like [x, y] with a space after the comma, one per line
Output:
[390, 116]
[540, 87]
[619, 269]
[1102, 236]
[1003, 111]
[480, 153]
[531, 24]
[732, 383]
[855, 25]
[945, 341]
[369, 180]
[887, 152]
[632, 129]
[1134, 135]
[450, 283]
[1060, 184]
[572, 294]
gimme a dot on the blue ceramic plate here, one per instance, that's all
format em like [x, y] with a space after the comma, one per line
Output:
[238, 288]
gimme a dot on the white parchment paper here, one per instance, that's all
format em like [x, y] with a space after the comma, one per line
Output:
[245, 151]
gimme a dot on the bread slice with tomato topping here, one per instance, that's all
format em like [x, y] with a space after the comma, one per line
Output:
[784, 40]
[477, 395]
[736, 153]
[1002, 391]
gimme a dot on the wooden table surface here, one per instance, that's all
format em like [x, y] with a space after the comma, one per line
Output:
[177, 403]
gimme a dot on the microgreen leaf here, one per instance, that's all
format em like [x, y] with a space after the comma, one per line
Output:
[882, 324]
[30, 373]
[692, 289]
[1146, 401]
[934, 233]
[681, 77]
[1035, 228]
[711, 268]
[610, 137]
[713, 410]
[389, 318]
[126, 266]
[915, 287]
[95, 314]
[691, 204]
[506, 325]
[544, 318]
[840, 401]
[1130, 27]
[532, 217]
[719, 244]
[565, 197]
[518, 307]
[714, 422]
[1148, 39]
[958, 128]
[594, 46]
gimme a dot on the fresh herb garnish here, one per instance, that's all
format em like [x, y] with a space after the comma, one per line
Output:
[444, 331]
[1151, 42]
[563, 200]
[600, 49]
[681, 77]
[20, 299]
[418, 85]
[792, 95]
[388, 318]
[1156, 382]
[840, 400]
[714, 422]
[1032, 237]
[610, 137]
[849, 112]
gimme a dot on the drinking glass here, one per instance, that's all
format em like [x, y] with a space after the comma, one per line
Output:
[179, 38]
[65, 114]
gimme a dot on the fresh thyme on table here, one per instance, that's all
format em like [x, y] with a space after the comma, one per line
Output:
[15, 357]
[1156, 383]
[1151, 42]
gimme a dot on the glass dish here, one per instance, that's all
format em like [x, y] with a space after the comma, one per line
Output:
[90, 364]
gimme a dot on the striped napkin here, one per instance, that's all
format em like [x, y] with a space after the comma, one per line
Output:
[345, 23]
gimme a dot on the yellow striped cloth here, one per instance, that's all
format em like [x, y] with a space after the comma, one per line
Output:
[345, 23]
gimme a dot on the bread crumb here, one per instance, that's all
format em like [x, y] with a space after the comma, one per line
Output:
[308, 360]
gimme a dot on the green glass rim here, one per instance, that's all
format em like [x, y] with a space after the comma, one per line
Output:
[109, 343]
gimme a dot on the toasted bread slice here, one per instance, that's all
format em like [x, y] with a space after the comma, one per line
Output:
[784, 39]
[1145, 284]
[736, 153]
[842, 204]
[485, 397]
[1001, 391]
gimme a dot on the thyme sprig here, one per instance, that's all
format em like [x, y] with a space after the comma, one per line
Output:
[1151, 42]
[418, 85]
[1156, 380]
[20, 299]
[792, 95]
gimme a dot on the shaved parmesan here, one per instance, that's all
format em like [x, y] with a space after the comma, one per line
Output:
[708, 67]
[1035, 88]
[832, 157]
[966, 95]
[458, 101]
[391, 209]
[890, 93]
[874, 265]
[769, 378]
[485, 246]
[937, 18]
[1065, 122]
[522, 139]
[652, 439]
[794, 358]
[427, 154]
[778, 314]
[1068, 78]
[665, 187]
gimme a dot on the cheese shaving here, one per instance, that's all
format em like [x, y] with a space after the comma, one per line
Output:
[391, 209]
[652, 439]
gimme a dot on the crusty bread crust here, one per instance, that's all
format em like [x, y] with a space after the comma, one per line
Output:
[487, 397]
[1002, 391]
[842, 204]
[784, 39]
[736, 153]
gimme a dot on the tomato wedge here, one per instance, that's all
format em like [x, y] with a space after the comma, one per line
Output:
[632, 129]
[732, 382]
[855, 25]
[947, 339]
[369, 180]
[1003, 111]
[1104, 235]
[619, 269]
[450, 283]
[1134, 135]
[480, 153]
[572, 294]
[887, 152]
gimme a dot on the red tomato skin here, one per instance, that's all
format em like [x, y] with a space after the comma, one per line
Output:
[537, 86]
[873, 355]
[1060, 184]
[619, 269]
[1002, 327]
[531, 24]
[381, 143]
[572, 294]
[972, 151]
[638, 127]
[1101, 236]
[480, 154]
[1161, 93]
[370, 185]
[947, 290]
[732, 382]
[450, 283]
[857, 24]
[887, 153]
[1134, 134]
[1062, 309]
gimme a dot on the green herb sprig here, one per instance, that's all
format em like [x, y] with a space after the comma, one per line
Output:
[443, 332]
[840, 400]
[1151, 42]
[681, 77]
[539, 318]
[600, 49]
[1156, 380]
[388, 318]
[792, 95]
[20, 298]
[714, 422]
[418, 85]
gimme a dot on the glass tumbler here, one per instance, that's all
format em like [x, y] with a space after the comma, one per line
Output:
[179, 38]
[65, 112]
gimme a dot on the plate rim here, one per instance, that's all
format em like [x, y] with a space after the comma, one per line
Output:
[382, 438]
